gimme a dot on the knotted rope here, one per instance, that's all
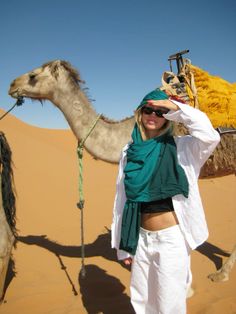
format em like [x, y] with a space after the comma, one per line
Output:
[80, 204]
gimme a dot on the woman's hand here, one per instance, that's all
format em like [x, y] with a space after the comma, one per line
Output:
[165, 103]
[127, 261]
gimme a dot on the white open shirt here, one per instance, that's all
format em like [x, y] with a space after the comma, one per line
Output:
[192, 152]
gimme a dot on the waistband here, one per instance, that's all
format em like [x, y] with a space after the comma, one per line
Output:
[159, 232]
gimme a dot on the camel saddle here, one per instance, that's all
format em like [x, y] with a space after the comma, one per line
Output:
[181, 84]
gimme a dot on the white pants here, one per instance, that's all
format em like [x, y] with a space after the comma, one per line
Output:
[160, 272]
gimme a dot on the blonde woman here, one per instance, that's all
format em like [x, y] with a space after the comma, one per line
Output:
[158, 216]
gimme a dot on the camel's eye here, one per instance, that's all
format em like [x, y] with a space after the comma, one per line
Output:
[32, 78]
[32, 75]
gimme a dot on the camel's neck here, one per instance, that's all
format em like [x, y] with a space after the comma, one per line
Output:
[107, 139]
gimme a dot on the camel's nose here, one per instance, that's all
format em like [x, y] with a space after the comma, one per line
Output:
[13, 83]
[12, 88]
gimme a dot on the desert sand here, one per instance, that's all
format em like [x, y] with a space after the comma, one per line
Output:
[44, 276]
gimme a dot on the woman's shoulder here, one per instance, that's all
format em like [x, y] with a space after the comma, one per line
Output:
[124, 151]
[126, 147]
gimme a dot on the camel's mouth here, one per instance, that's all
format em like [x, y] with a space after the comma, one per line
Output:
[14, 94]
[17, 93]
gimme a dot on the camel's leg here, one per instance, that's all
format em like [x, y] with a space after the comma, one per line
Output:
[4, 261]
[223, 273]
[190, 292]
[6, 243]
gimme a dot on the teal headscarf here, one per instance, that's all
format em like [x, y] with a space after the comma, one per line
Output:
[152, 173]
[156, 94]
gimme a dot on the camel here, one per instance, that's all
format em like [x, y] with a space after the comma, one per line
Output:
[58, 82]
[8, 232]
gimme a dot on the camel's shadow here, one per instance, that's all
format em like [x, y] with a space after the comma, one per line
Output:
[100, 291]
[100, 247]
[212, 252]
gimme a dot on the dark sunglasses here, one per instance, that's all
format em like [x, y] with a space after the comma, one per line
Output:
[158, 112]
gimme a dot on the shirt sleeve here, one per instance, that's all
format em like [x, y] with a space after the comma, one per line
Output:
[119, 202]
[203, 137]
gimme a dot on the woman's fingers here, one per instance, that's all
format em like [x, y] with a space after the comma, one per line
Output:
[165, 103]
[127, 261]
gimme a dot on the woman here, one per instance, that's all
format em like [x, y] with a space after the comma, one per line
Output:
[158, 216]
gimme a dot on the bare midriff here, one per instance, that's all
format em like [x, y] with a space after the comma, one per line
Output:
[158, 221]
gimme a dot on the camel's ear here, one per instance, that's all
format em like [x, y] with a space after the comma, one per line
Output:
[54, 66]
[74, 74]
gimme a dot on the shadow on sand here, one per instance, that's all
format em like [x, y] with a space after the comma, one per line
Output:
[100, 291]
[212, 252]
[103, 293]
[100, 247]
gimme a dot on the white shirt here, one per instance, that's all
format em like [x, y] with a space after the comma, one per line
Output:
[192, 152]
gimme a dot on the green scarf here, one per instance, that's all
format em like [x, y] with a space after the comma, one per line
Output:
[152, 173]
[156, 94]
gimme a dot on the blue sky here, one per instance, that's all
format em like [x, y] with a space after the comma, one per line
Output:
[120, 47]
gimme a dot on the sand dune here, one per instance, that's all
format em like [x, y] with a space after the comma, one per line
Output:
[47, 258]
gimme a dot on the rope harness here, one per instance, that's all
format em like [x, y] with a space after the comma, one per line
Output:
[80, 204]
[19, 102]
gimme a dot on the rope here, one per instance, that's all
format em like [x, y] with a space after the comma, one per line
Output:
[80, 204]
[19, 102]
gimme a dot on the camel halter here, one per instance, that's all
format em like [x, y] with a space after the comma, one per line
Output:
[19, 102]
[80, 204]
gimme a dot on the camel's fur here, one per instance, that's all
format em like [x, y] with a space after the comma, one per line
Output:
[8, 230]
[223, 160]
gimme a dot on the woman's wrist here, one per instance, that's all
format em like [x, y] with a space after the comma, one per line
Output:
[172, 105]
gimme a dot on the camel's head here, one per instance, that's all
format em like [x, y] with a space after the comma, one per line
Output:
[41, 83]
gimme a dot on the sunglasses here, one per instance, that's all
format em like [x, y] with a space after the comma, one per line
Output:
[158, 112]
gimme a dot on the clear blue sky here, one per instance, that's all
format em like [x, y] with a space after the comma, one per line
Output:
[120, 47]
